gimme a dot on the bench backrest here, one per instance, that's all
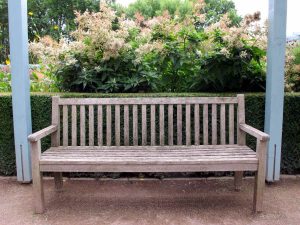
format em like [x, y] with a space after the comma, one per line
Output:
[148, 121]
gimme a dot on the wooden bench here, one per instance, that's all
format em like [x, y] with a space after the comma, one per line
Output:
[148, 135]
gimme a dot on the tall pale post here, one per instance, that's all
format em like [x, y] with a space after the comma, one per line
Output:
[275, 85]
[18, 40]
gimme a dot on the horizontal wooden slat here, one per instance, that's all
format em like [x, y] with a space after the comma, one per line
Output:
[145, 152]
[136, 156]
[142, 101]
[153, 155]
[157, 167]
[157, 147]
[145, 160]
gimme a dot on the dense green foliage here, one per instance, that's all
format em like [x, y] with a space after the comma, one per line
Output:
[4, 42]
[41, 115]
[45, 17]
[214, 9]
[55, 17]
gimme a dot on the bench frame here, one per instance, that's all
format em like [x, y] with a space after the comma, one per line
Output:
[53, 130]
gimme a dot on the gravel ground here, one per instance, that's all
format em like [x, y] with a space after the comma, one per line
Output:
[157, 202]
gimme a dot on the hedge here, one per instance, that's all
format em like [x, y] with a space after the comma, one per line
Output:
[41, 117]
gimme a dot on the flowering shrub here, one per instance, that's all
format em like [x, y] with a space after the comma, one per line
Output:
[292, 67]
[110, 53]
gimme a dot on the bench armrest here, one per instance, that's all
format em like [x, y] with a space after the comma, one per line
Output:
[254, 132]
[42, 133]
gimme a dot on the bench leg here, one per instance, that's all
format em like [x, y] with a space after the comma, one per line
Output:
[238, 178]
[58, 180]
[37, 178]
[261, 149]
[38, 191]
[258, 192]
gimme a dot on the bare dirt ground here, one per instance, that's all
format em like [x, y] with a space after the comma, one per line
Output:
[157, 202]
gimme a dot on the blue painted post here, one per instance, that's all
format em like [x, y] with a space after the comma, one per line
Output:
[275, 85]
[18, 39]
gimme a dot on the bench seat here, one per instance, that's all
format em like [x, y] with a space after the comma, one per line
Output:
[150, 159]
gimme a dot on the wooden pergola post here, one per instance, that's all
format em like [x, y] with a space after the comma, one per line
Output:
[18, 39]
[275, 85]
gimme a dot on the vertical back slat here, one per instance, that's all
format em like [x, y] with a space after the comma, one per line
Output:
[144, 125]
[241, 119]
[65, 125]
[74, 125]
[162, 125]
[82, 125]
[55, 137]
[117, 125]
[188, 124]
[126, 125]
[179, 124]
[108, 125]
[223, 122]
[197, 124]
[135, 124]
[170, 124]
[100, 125]
[205, 124]
[231, 124]
[214, 124]
[153, 132]
[91, 125]
[210, 124]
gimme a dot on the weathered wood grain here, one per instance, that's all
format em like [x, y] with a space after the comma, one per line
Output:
[117, 125]
[161, 125]
[91, 125]
[135, 124]
[144, 125]
[231, 124]
[108, 125]
[149, 101]
[223, 124]
[179, 124]
[65, 125]
[82, 125]
[74, 125]
[197, 124]
[153, 127]
[126, 125]
[205, 124]
[100, 125]
[55, 136]
[170, 125]
[188, 124]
